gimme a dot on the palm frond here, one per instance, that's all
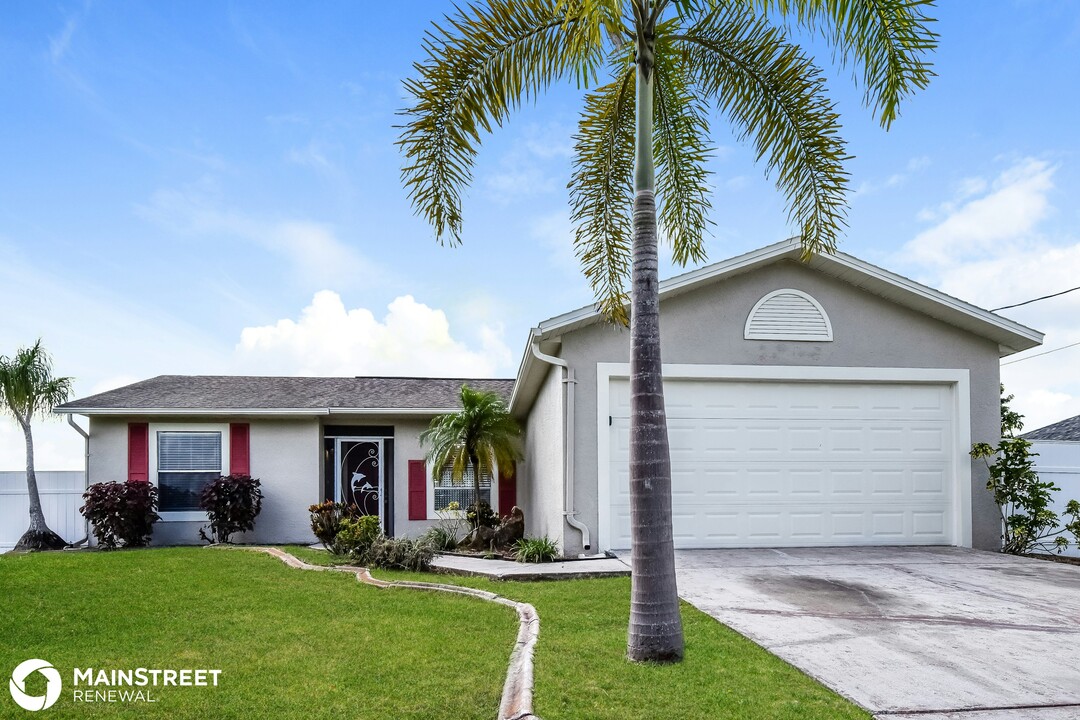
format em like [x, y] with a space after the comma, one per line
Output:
[775, 96]
[481, 66]
[888, 41]
[681, 131]
[482, 429]
[27, 385]
[601, 191]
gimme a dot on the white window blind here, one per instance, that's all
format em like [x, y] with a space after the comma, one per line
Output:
[179, 451]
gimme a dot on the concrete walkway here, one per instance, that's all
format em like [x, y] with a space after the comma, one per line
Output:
[510, 570]
[927, 633]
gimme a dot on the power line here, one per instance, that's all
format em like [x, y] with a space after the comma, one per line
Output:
[1063, 347]
[1044, 297]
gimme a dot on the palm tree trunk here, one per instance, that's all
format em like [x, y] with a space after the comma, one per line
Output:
[38, 536]
[655, 631]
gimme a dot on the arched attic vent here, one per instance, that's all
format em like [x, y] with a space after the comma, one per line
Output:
[788, 314]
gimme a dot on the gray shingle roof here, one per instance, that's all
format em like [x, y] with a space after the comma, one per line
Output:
[1064, 430]
[207, 392]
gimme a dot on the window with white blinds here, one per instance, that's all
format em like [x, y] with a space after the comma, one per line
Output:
[462, 492]
[186, 462]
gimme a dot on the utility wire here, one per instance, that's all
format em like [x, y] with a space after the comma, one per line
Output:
[1063, 347]
[1044, 297]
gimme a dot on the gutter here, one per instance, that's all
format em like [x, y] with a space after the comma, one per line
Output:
[568, 440]
[86, 475]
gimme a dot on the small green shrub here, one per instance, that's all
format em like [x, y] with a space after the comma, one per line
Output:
[1023, 498]
[536, 549]
[231, 503]
[442, 538]
[121, 513]
[355, 536]
[326, 520]
[398, 554]
[485, 517]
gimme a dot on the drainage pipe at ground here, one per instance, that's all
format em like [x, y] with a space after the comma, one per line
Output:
[569, 382]
[86, 475]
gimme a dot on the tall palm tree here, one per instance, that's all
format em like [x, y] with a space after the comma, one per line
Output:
[482, 435]
[672, 64]
[27, 390]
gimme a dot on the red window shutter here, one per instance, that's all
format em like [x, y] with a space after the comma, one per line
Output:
[508, 491]
[239, 449]
[139, 452]
[417, 490]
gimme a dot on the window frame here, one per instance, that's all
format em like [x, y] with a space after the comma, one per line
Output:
[155, 428]
[460, 513]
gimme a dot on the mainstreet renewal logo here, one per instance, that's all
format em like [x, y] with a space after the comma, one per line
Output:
[17, 686]
[119, 685]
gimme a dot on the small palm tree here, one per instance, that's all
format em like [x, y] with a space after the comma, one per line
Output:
[482, 435]
[672, 65]
[27, 390]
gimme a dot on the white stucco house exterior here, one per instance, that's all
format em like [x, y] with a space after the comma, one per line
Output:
[827, 402]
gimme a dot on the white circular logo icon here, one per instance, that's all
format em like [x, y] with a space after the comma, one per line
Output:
[17, 686]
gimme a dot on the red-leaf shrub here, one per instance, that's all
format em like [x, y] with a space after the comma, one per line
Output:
[121, 512]
[231, 503]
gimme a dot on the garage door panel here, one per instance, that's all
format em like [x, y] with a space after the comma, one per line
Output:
[772, 526]
[737, 482]
[791, 400]
[780, 463]
[696, 439]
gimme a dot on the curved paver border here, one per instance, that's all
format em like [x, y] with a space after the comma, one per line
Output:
[516, 701]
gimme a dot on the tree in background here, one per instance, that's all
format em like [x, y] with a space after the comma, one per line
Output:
[1023, 498]
[672, 65]
[28, 390]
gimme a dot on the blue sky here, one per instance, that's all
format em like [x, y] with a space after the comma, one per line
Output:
[212, 187]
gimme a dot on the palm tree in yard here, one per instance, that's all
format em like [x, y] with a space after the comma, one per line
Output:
[482, 435]
[27, 390]
[672, 65]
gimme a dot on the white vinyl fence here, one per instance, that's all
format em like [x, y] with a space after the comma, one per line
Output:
[1059, 463]
[61, 497]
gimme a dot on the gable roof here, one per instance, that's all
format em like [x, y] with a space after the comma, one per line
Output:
[1068, 429]
[1011, 337]
[218, 394]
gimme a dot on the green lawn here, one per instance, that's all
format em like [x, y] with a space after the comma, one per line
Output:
[302, 644]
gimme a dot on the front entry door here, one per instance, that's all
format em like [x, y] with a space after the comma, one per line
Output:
[358, 473]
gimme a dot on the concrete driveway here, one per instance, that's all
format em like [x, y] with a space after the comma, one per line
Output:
[925, 633]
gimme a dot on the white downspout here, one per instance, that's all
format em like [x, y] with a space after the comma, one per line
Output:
[568, 441]
[86, 472]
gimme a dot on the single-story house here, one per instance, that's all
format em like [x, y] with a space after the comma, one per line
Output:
[827, 402]
[1058, 461]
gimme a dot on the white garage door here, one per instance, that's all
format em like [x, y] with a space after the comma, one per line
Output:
[773, 464]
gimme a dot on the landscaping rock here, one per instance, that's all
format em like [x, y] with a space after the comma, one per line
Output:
[511, 530]
[478, 540]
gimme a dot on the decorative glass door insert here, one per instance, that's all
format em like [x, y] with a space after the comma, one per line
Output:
[358, 475]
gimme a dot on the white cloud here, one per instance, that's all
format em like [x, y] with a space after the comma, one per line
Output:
[895, 180]
[313, 249]
[1016, 203]
[990, 246]
[411, 339]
